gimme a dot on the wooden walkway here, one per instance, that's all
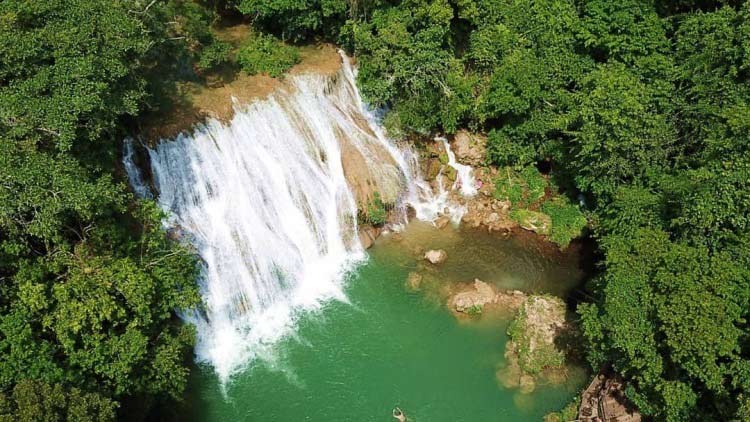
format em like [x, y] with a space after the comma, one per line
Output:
[604, 401]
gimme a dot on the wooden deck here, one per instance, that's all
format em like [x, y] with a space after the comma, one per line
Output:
[604, 401]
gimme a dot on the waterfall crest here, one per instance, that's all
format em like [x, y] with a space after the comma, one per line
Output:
[270, 201]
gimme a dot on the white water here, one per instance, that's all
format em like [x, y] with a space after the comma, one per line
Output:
[135, 177]
[265, 203]
[464, 174]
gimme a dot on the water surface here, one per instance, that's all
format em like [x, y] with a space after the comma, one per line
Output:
[389, 346]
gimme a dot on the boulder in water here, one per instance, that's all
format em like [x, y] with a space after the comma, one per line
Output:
[436, 256]
[475, 298]
[442, 221]
[533, 334]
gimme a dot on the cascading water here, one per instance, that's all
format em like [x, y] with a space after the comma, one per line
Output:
[464, 174]
[135, 177]
[266, 203]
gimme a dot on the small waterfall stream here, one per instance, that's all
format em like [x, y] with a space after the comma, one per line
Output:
[265, 202]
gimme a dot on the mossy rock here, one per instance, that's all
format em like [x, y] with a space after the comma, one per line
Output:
[451, 174]
[433, 169]
[532, 220]
[568, 413]
[540, 320]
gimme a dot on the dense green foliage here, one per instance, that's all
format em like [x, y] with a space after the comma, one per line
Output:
[263, 53]
[89, 281]
[376, 212]
[643, 107]
[297, 19]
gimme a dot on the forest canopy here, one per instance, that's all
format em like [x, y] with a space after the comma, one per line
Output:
[642, 107]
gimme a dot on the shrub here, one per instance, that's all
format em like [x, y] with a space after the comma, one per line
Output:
[567, 220]
[520, 188]
[376, 212]
[214, 55]
[535, 183]
[265, 54]
[475, 310]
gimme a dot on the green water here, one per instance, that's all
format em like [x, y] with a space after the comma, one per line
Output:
[389, 346]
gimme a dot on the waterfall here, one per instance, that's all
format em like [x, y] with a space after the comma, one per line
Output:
[267, 200]
[135, 178]
[465, 182]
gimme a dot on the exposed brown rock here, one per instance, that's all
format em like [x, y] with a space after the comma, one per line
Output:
[470, 148]
[436, 256]
[442, 221]
[474, 298]
[367, 235]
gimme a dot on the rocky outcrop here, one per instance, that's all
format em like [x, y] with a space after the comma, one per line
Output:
[534, 345]
[536, 222]
[474, 297]
[470, 148]
[367, 235]
[436, 256]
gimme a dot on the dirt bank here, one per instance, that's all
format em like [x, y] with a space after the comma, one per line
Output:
[215, 94]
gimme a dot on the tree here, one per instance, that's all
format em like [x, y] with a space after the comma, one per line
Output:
[90, 282]
[621, 135]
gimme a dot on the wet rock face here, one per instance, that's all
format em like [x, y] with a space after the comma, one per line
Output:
[436, 256]
[470, 148]
[367, 235]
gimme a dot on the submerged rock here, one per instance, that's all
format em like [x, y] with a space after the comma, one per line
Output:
[414, 281]
[436, 256]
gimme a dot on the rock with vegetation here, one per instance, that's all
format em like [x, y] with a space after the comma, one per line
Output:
[534, 221]
[537, 344]
[535, 331]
